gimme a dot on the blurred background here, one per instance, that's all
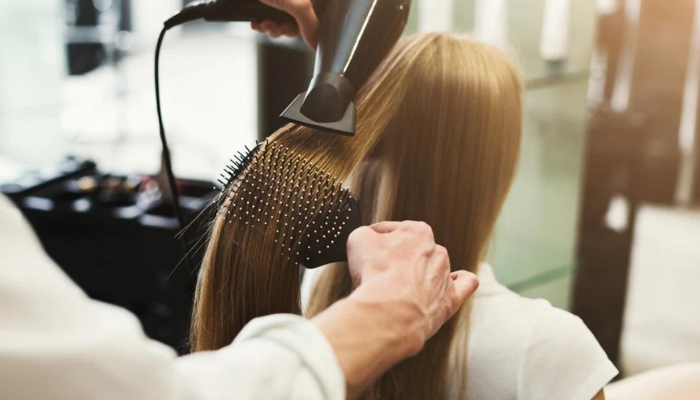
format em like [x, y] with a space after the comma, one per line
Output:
[603, 219]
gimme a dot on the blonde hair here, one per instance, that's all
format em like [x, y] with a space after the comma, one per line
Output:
[438, 136]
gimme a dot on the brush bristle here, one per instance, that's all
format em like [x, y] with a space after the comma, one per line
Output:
[306, 209]
[238, 163]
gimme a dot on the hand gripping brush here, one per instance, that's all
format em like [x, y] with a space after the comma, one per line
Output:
[306, 210]
[354, 36]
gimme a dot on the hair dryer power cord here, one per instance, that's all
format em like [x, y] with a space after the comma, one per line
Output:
[210, 10]
[167, 162]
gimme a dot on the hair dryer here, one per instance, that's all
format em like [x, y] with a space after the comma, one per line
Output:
[354, 37]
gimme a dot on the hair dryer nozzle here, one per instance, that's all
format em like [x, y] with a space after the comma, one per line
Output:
[296, 113]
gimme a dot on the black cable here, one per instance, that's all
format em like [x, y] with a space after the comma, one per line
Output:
[166, 157]
[214, 10]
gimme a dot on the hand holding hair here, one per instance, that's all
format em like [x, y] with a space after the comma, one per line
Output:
[405, 293]
[404, 257]
[302, 11]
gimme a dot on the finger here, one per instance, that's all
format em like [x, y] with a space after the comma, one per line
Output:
[255, 26]
[465, 284]
[289, 30]
[385, 226]
[279, 31]
[273, 30]
[268, 26]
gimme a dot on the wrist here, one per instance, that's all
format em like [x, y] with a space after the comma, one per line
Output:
[402, 321]
[368, 337]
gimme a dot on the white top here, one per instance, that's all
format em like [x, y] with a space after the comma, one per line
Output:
[525, 349]
[522, 349]
[57, 344]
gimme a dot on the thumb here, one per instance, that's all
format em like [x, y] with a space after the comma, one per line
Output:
[465, 283]
[307, 21]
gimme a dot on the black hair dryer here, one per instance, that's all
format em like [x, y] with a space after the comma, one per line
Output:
[354, 37]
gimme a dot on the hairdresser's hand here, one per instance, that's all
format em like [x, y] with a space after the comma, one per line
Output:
[405, 293]
[400, 265]
[302, 11]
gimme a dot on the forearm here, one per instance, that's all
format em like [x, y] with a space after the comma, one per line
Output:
[368, 338]
[77, 348]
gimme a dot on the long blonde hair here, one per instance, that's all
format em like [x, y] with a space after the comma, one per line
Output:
[438, 136]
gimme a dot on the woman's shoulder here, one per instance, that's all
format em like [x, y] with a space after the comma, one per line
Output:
[531, 347]
[531, 328]
[502, 322]
[496, 306]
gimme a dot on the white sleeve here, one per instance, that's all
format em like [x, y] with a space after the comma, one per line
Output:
[563, 360]
[56, 343]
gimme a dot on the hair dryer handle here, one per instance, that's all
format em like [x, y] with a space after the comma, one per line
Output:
[246, 10]
[255, 11]
[235, 10]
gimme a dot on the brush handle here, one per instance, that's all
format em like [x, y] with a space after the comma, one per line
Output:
[320, 252]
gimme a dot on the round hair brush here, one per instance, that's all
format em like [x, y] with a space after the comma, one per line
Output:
[307, 211]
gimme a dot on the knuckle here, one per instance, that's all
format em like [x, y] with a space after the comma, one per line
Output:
[418, 228]
[442, 256]
[441, 252]
[423, 228]
[406, 226]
